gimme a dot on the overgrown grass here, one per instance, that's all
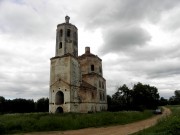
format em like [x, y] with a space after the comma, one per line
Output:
[33, 122]
[166, 126]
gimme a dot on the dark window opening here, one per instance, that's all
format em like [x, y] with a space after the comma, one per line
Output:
[92, 67]
[60, 45]
[103, 96]
[92, 95]
[68, 32]
[59, 98]
[59, 110]
[61, 33]
[100, 96]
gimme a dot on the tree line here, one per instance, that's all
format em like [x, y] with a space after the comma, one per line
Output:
[23, 105]
[139, 97]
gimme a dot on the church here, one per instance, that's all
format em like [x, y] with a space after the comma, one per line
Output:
[76, 82]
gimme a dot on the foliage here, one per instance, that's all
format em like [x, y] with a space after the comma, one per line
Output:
[163, 101]
[175, 100]
[32, 122]
[23, 105]
[42, 105]
[140, 97]
[167, 126]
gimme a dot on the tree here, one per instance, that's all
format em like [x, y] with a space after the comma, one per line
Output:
[126, 97]
[42, 105]
[140, 97]
[163, 101]
[2, 104]
[122, 99]
[109, 102]
[177, 96]
[145, 96]
[175, 100]
[22, 105]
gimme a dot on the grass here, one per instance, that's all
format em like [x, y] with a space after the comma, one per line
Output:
[33, 122]
[166, 126]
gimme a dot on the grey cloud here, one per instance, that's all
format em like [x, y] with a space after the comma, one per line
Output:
[148, 53]
[153, 69]
[122, 38]
[22, 21]
[24, 85]
[104, 13]
[147, 62]
[171, 22]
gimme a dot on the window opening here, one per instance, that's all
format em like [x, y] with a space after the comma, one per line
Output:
[60, 45]
[100, 96]
[92, 67]
[59, 99]
[68, 32]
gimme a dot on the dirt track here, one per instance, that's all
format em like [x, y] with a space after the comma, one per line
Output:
[112, 130]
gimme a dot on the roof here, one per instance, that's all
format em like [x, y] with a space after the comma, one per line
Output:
[88, 55]
[87, 86]
[66, 24]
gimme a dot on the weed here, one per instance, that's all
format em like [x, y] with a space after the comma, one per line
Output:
[33, 122]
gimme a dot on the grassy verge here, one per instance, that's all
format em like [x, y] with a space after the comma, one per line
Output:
[33, 122]
[166, 126]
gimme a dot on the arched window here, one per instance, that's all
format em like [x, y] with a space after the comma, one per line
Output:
[92, 67]
[60, 45]
[59, 99]
[68, 32]
[103, 96]
[92, 95]
[59, 110]
[61, 33]
[100, 96]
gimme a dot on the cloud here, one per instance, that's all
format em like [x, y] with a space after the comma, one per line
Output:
[171, 22]
[128, 50]
[122, 38]
[102, 13]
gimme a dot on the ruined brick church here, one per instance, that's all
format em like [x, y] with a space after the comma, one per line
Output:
[76, 82]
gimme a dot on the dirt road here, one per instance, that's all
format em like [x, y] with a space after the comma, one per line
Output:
[112, 130]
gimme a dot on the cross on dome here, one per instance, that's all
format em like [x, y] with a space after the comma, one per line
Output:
[67, 18]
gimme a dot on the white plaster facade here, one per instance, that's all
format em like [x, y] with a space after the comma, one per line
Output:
[76, 82]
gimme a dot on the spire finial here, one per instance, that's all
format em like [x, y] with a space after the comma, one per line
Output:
[67, 18]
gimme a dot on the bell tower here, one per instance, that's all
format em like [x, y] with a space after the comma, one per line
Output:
[66, 39]
[65, 77]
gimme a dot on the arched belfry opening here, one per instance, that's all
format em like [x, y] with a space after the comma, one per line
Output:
[59, 99]
[59, 110]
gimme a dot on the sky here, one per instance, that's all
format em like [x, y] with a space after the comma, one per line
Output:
[137, 40]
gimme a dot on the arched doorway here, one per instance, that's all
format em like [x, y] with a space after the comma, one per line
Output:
[59, 110]
[59, 99]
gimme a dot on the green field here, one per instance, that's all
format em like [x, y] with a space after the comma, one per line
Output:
[33, 122]
[166, 126]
